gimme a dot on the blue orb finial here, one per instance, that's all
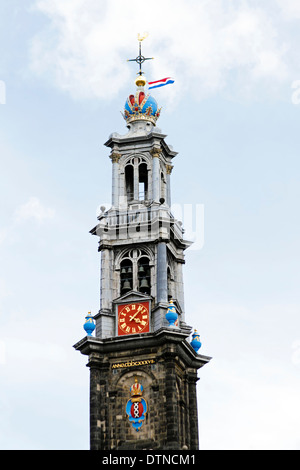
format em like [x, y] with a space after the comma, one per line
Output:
[171, 314]
[196, 343]
[89, 324]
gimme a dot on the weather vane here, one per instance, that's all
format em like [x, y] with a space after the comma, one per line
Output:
[140, 59]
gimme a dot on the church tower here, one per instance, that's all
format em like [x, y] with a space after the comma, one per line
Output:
[143, 364]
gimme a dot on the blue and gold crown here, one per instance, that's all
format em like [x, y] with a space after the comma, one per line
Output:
[141, 106]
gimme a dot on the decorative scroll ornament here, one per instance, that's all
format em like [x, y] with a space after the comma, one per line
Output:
[136, 407]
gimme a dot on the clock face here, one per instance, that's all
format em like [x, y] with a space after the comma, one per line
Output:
[133, 318]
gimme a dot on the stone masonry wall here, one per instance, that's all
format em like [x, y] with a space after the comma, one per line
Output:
[169, 390]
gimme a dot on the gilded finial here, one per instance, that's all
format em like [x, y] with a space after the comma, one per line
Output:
[143, 36]
[89, 324]
[140, 81]
[196, 343]
[171, 314]
[140, 59]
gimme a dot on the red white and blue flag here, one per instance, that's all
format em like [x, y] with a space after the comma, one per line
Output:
[159, 83]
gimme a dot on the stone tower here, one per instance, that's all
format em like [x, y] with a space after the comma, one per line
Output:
[143, 366]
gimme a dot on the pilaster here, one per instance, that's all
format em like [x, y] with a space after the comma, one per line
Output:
[115, 158]
[155, 174]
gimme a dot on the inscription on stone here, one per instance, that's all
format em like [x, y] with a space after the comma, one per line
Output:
[126, 364]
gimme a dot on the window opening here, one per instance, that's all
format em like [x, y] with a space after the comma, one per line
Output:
[129, 182]
[143, 182]
[144, 275]
[126, 276]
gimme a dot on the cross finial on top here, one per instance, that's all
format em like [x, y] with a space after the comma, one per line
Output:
[140, 59]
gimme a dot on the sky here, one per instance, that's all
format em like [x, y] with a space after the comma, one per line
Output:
[233, 116]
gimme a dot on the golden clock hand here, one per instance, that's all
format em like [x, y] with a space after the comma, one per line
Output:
[137, 320]
[133, 316]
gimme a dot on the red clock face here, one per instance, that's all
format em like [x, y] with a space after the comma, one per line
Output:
[133, 318]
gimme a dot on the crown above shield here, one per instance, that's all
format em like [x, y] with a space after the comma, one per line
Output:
[136, 390]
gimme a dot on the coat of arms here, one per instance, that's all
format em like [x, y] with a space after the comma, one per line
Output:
[136, 407]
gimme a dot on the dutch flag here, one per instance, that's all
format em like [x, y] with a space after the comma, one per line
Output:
[162, 82]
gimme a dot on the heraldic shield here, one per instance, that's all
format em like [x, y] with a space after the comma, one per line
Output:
[136, 407]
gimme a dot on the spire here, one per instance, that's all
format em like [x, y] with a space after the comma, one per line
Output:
[141, 106]
[140, 59]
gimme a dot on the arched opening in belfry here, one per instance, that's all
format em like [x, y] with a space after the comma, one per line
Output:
[126, 276]
[143, 182]
[129, 182]
[144, 278]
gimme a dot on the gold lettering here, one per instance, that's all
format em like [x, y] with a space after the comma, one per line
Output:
[143, 362]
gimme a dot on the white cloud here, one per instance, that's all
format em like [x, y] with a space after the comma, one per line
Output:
[33, 209]
[202, 44]
[290, 8]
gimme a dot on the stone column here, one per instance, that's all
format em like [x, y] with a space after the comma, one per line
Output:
[180, 287]
[136, 180]
[162, 273]
[105, 321]
[169, 169]
[155, 174]
[172, 421]
[97, 435]
[115, 157]
[193, 411]
[105, 288]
